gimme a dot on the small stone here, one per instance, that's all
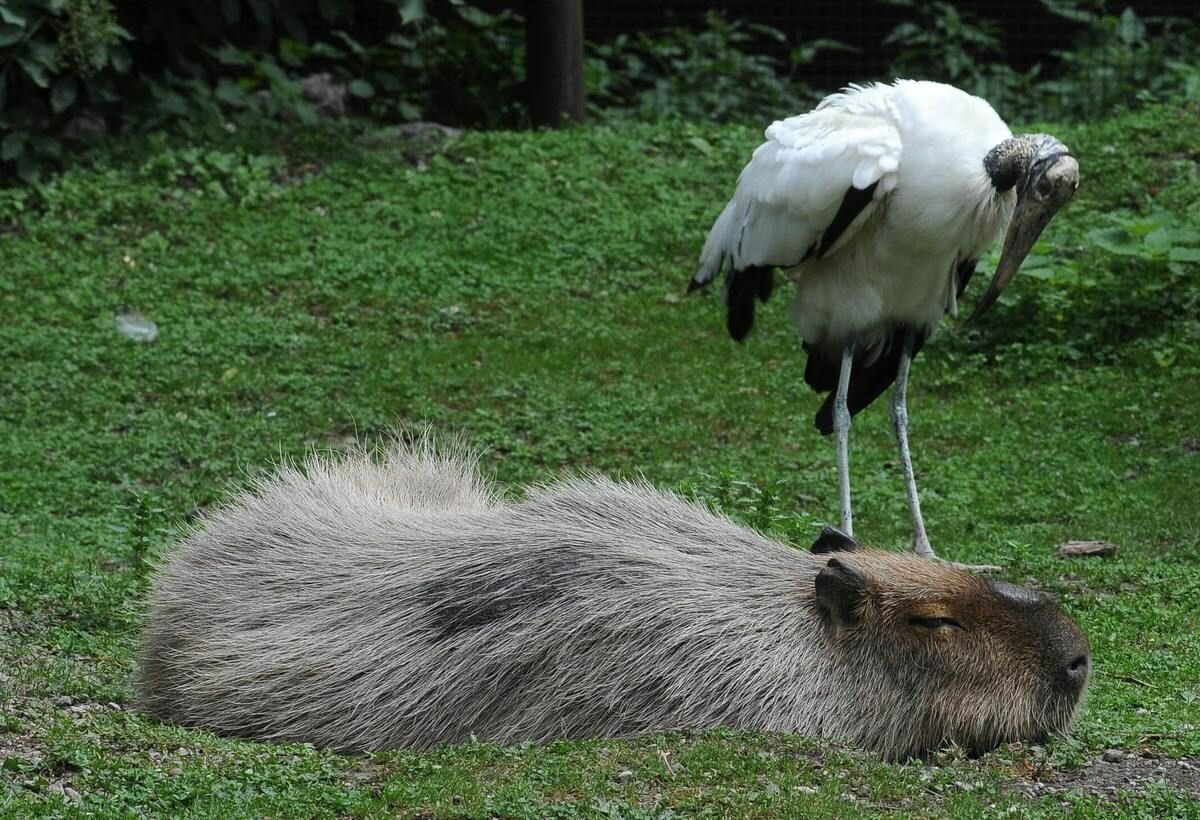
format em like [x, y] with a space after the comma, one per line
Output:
[771, 788]
[1112, 756]
[64, 700]
[806, 789]
[326, 95]
[71, 794]
[428, 131]
[56, 788]
[174, 771]
[1076, 549]
[624, 776]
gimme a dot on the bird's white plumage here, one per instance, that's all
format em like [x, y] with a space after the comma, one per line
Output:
[934, 207]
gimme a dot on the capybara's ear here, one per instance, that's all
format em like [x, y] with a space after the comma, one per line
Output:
[832, 539]
[840, 590]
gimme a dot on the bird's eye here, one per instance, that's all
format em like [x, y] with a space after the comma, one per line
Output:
[1044, 187]
[935, 623]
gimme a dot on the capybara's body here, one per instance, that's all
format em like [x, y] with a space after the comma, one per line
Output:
[368, 603]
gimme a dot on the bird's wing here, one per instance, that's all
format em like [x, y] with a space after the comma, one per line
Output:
[809, 187]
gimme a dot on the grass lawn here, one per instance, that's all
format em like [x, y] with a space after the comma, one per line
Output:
[527, 290]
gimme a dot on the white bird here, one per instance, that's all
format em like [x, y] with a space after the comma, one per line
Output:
[878, 204]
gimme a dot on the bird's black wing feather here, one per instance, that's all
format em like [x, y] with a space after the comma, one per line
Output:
[963, 275]
[867, 381]
[820, 371]
[741, 289]
[852, 205]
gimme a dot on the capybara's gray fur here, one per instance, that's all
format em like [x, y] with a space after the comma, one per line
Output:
[371, 602]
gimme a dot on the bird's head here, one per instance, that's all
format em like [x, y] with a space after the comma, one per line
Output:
[1045, 177]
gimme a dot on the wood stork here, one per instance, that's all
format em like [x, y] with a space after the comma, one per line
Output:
[878, 204]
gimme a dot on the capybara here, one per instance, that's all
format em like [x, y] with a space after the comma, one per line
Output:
[394, 599]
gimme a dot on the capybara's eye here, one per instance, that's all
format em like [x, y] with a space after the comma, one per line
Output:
[935, 623]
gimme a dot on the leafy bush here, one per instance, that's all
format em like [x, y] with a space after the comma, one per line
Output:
[461, 65]
[1117, 59]
[1122, 282]
[71, 69]
[717, 73]
[940, 42]
[245, 179]
[56, 56]
[454, 62]
[1117, 273]
[67, 64]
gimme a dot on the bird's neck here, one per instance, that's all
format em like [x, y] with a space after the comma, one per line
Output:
[1010, 160]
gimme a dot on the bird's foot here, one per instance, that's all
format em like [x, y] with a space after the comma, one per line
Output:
[922, 548]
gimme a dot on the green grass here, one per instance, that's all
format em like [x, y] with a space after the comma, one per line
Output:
[526, 290]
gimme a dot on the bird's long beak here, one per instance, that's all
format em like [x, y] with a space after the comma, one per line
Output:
[1049, 184]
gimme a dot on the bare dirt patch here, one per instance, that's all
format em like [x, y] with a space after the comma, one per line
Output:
[1115, 772]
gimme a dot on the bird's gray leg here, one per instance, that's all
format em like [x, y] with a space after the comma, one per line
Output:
[899, 413]
[841, 429]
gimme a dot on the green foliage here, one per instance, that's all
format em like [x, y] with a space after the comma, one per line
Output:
[190, 172]
[1156, 238]
[526, 289]
[941, 42]
[760, 506]
[1122, 270]
[717, 73]
[146, 533]
[56, 56]
[453, 62]
[1088, 301]
[71, 61]
[1115, 59]
[188, 28]
[463, 66]
[247, 81]
[67, 70]
[1121, 58]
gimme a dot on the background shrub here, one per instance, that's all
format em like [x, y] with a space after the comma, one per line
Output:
[56, 57]
[72, 70]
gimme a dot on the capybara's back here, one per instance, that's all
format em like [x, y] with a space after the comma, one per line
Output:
[366, 603]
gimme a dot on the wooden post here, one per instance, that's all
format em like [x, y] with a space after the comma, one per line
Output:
[554, 60]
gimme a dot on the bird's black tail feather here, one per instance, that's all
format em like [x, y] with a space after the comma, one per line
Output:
[742, 287]
[867, 381]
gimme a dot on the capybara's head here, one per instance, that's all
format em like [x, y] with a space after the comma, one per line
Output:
[936, 655]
